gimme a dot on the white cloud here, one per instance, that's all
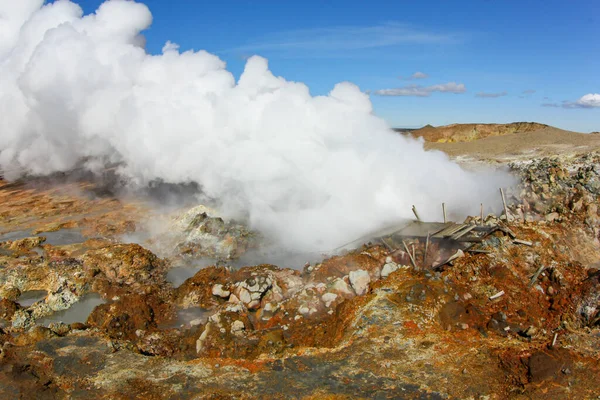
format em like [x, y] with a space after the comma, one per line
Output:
[419, 75]
[345, 38]
[422, 91]
[591, 100]
[490, 95]
[416, 75]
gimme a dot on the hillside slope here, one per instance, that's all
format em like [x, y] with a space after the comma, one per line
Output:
[469, 132]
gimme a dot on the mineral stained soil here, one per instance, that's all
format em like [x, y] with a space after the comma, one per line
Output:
[357, 325]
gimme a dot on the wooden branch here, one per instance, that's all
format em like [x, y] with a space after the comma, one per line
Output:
[504, 202]
[524, 242]
[426, 249]
[409, 255]
[444, 211]
[414, 210]
[536, 275]
[497, 295]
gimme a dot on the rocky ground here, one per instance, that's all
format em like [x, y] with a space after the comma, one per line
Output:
[519, 320]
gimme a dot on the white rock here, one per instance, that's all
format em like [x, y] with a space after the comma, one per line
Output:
[360, 280]
[389, 260]
[244, 295]
[329, 298]
[217, 290]
[202, 338]
[216, 318]
[303, 310]
[388, 268]
[237, 328]
[340, 287]
[196, 322]
[253, 305]
[238, 307]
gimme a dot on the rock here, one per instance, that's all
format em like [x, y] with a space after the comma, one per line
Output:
[201, 233]
[60, 328]
[552, 217]
[251, 291]
[128, 264]
[238, 328]
[341, 287]
[360, 280]
[531, 331]
[329, 298]
[8, 309]
[304, 310]
[12, 293]
[217, 290]
[388, 268]
[24, 245]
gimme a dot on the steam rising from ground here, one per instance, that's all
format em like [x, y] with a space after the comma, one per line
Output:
[314, 172]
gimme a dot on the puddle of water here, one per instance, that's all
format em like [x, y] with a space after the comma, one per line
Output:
[16, 235]
[278, 257]
[28, 298]
[63, 237]
[59, 238]
[78, 312]
[187, 315]
[176, 276]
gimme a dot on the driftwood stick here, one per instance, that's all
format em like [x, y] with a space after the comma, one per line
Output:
[444, 211]
[524, 242]
[482, 251]
[409, 255]
[536, 275]
[504, 202]
[554, 340]
[414, 210]
[497, 295]
[481, 220]
[426, 248]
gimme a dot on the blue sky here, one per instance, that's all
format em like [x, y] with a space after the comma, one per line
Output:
[509, 60]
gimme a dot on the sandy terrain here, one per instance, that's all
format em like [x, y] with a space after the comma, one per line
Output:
[521, 146]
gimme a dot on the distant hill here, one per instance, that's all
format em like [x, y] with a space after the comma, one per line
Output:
[468, 132]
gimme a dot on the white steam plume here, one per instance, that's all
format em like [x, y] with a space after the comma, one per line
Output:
[313, 171]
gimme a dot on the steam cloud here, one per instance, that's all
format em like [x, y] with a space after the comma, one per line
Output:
[313, 171]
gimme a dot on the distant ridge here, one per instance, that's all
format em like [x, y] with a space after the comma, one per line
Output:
[468, 132]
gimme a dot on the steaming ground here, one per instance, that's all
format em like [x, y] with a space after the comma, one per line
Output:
[312, 172]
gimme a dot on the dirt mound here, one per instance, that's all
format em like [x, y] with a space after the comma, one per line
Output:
[469, 132]
[521, 146]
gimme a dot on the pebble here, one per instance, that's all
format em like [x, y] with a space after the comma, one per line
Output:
[329, 298]
[359, 280]
[237, 328]
[217, 290]
[341, 287]
[388, 268]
